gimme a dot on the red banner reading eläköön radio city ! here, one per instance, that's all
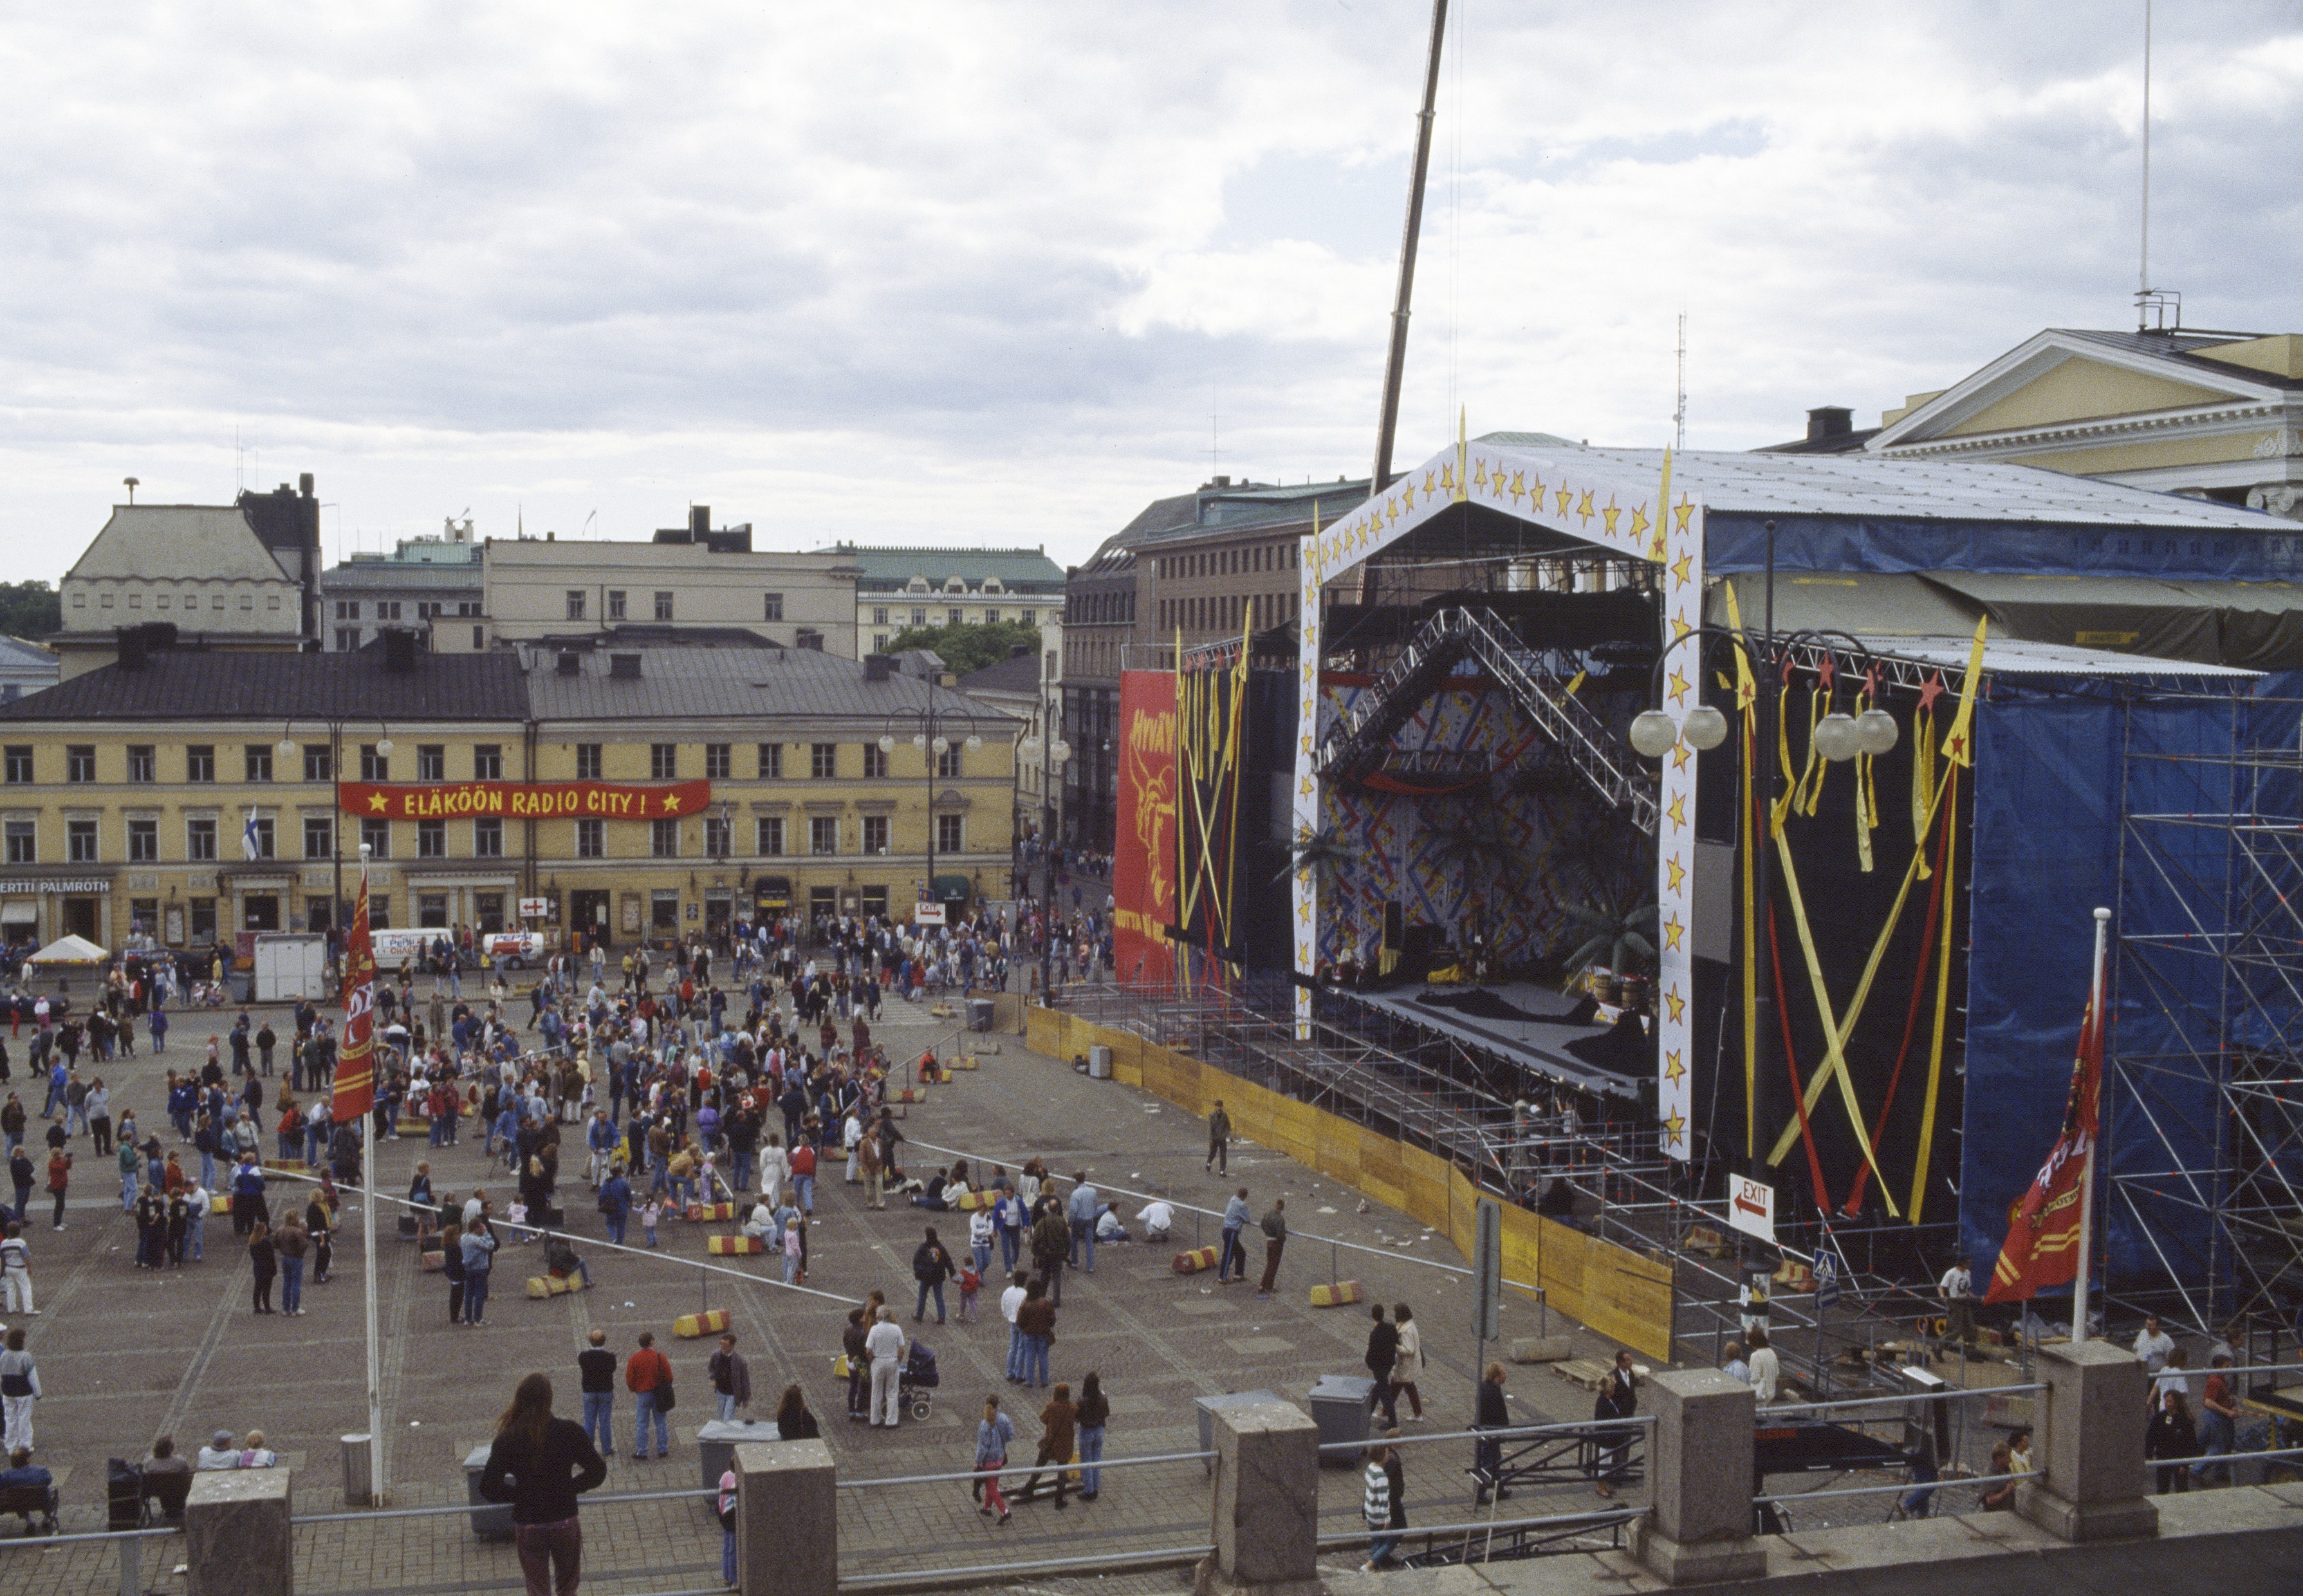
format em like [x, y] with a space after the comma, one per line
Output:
[522, 800]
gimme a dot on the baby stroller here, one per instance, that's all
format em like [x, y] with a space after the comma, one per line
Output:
[916, 1381]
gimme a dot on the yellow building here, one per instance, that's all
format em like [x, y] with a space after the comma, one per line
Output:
[193, 797]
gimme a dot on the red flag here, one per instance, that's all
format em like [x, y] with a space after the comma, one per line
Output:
[2043, 1233]
[356, 1058]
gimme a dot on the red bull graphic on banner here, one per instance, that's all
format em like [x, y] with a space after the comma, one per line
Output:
[1143, 851]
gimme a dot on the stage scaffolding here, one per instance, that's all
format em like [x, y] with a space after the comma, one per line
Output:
[2205, 1149]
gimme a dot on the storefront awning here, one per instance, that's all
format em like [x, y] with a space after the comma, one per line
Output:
[952, 889]
[20, 913]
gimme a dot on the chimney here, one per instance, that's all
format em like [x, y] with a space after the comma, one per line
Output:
[624, 667]
[304, 485]
[571, 663]
[699, 521]
[1829, 421]
[131, 647]
[400, 651]
[878, 667]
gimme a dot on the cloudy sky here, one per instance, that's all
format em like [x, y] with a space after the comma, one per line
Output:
[950, 271]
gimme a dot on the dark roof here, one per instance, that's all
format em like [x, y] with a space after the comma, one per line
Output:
[1844, 443]
[732, 683]
[1019, 672]
[199, 686]
[2181, 349]
[649, 634]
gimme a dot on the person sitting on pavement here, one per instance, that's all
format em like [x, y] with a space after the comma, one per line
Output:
[1109, 1226]
[560, 1258]
[1157, 1218]
[220, 1452]
[255, 1454]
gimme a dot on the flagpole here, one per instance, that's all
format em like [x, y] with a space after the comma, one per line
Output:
[368, 1256]
[2097, 1018]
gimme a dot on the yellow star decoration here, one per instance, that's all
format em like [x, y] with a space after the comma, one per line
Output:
[1675, 1003]
[1565, 498]
[1683, 510]
[1431, 482]
[1610, 514]
[1679, 755]
[1683, 568]
[1518, 487]
[375, 802]
[1478, 471]
[1307, 742]
[1678, 684]
[1303, 911]
[1584, 509]
[1673, 930]
[1678, 812]
[1390, 510]
[1679, 629]
[1673, 1069]
[1447, 477]
[1407, 495]
[1674, 1131]
[1639, 521]
[1307, 787]
[671, 802]
[1673, 868]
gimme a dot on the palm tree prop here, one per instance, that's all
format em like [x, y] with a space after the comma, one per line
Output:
[1612, 932]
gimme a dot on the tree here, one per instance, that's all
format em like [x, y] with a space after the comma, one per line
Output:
[969, 648]
[30, 609]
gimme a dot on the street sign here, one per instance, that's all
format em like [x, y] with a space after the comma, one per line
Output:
[535, 908]
[927, 914]
[1752, 1208]
[1487, 1271]
[1826, 1280]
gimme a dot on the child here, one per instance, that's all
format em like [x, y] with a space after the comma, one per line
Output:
[648, 1217]
[970, 1283]
[791, 1251]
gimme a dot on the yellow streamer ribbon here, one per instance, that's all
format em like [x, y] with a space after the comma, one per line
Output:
[1943, 1003]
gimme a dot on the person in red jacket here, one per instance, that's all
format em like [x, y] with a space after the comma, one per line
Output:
[647, 1375]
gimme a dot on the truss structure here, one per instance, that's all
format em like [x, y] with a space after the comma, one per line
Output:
[2207, 1079]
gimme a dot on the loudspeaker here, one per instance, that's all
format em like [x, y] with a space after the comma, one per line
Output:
[1395, 927]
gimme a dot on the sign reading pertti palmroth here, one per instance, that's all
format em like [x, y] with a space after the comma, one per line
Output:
[522, 800]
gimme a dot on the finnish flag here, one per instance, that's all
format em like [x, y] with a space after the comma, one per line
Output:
[248, 848]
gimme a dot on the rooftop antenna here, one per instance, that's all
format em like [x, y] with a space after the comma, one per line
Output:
[1679, 406]
[1214, 437]
[2152, 305]
[130, 483]
[239, 463]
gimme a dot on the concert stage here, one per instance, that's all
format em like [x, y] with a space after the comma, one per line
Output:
[1559, 1037]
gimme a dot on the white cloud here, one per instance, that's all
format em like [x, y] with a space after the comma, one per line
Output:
[979, 270]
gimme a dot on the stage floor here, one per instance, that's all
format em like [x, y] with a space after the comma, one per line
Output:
[1517, 1019]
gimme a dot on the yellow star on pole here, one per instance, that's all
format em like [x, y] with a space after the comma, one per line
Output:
[1678, 686]
[1610, 512]
[1679, 629]
[1676, 1003]
[1673, 930]
[375, 802]
[1683, 568]
[1307, 742]
[1307, 787]
[1303, 911]
[1676, 872]
[1679, 755]
[1684, 509]
[1674, 1131]
[1673, 1069]
[1678, 811]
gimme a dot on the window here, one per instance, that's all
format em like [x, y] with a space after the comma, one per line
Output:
[379, 912]
[990, 617]
[823, 833]
[346, 640]
[875, 901]
[23, 842]
[19, 763]
[201, 839]
[948, 762]
[615, 605]
[875, 763]
[204, 928]
[952, 617]
[487, 838]
[575, 603]
[319, 836]
[262, 824]
[823, 761]
[479, 637]
[348, 609]
[80, 762]
[663, 839]
[880, 615]
[79, 842]
[716, 762]
[374, 766]
[431, 762]
[467, 607]
[319, 763]
[663, 761]
[919, 617]
[487, 762]
[257, 761]
[715, 837]
[143, 764]
[663, 908]
[427, 609]
[768, 834]
[875, 833]
[143, 841]
[590, 839]
[386, 609]
[771, 606]
[879, 642]
[950, 834]
[588, 762]
[430, 838]
[772, 762]
[663, 606]
[432, 910]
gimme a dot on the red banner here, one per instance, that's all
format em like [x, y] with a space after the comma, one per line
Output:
[356, 1052]
[521, 800]
[2043, 1233]
[1144, 852]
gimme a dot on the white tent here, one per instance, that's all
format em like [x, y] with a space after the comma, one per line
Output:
[70, 949]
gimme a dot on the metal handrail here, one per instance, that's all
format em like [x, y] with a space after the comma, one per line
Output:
[1018, 1468]
[454, 1508]
[1154, 1556]
[1596, 1519]
[1499, 1433]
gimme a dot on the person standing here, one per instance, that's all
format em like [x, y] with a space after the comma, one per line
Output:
[1219, 1140]
[1052, 1243]
[20, 1387]
[479, 1258]
[1010, 1300]
[1058, 1421]
[1488, 1456]
[1275, 1242]
[1381, 1357]
[1081, 1210]
[993, 1432]
[1035, 1318]
[540, 1463]
[1234, 1256]
[595, 1368]
[266, 1262]
[1094, 1414]
[1407, 1365]
[16, 1273]
[2153, 1345]
[931, 1266]
[291, 1242]
[794, 1421]
[885, 1344]
[2218, 1429]
[1375, 1508]
[1618, 1398]
[731, 1378]
[1766, 1369]
[60, 1164]
[1958, 1289]
[647, 1375]
[2172, 1434]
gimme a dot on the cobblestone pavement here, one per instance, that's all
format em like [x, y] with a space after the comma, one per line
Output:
[126, 1355]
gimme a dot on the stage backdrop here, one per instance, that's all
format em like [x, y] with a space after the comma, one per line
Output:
[1144, 852]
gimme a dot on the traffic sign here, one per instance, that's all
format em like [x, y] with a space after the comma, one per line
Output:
[1487, 1271]
[1752, 1208]
[1826, 1280]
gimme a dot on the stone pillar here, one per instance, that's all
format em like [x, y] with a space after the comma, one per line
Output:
[2094, 1483]
[237, 1542]
[1266, 1502]
[787, 1519]
[1700, 1466]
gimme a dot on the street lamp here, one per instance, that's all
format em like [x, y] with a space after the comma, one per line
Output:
[288, 748]
[1052, 752]
[931, 741]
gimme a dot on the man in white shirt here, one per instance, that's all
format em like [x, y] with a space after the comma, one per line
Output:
[1958, 1289]
[1010, 1300]
[885, 1345]
[1157, 1218]
[2153, 1344]
[16, 1273]
[1766, 1372]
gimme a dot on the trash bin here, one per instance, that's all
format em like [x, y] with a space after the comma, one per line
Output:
[1098, 1063]
[1339, 1407]
[1207, 1406]
[491, 1521]
[716, 1441]
[979, 1013]
[359, 1480]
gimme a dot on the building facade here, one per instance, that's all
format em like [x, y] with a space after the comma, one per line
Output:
[1014, 686]
[435, 585]
[193, 800]
[26, 668]
[899, 588]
